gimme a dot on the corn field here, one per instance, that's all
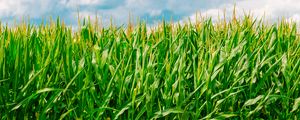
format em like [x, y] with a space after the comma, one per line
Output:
[238, 69]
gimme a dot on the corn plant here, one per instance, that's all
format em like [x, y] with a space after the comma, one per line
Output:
[238, 69]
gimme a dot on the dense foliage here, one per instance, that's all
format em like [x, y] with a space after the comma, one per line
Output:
[242, 68]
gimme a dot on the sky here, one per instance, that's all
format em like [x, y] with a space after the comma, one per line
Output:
[151, 11]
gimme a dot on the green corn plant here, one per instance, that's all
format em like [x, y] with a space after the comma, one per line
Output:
[236, 69]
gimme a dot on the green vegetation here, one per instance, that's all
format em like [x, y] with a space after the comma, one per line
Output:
[242, 68]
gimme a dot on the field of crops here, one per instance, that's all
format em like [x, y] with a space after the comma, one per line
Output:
[241, 68]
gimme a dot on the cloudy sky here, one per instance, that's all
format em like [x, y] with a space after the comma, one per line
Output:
[148, 10]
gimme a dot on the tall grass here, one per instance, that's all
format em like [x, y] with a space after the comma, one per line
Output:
[238, 69]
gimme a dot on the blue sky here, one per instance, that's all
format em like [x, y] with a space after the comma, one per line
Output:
[150, 10]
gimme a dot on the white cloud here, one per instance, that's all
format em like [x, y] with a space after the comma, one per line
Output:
[9, 8]
[271, 10]
[23, 8]
[155, 12]
[151, 9]
[86, 2]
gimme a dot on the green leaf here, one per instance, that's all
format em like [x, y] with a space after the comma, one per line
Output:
[296, 104]
[253, 101]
